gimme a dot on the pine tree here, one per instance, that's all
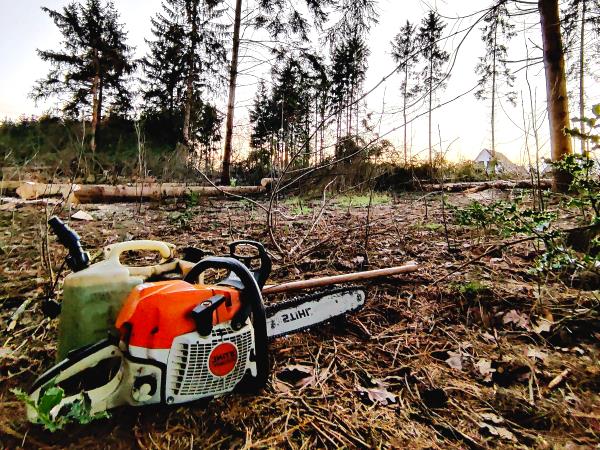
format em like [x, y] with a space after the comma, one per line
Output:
[348, 71]
[404, 52]
[493, 68]
[280, 18]
[164, 66]
[432, 74]
[184, 66]
[581, 25]
[93, 64]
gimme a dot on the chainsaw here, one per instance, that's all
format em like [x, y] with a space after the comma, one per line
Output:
[182, 340]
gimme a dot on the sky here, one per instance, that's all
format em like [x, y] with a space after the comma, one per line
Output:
[462, 125]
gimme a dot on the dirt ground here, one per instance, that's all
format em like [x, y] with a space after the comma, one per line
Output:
[487, 356]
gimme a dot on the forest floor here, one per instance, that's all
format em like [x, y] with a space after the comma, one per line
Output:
[485, 355]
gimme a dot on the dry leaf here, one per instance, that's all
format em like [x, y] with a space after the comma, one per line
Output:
[82, 215]
[298, 376]
[536, 353]
[518, 319]
[359, 260]
[501, 432]
[455, 360]
[485, 369]
[378, 395]
[490, 425]
[488, 337]
[543, 326]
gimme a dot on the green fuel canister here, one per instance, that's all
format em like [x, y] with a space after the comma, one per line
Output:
[92, 298]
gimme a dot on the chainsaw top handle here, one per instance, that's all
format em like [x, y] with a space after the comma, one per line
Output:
[252, 304]
[261, 274]
[77, 259]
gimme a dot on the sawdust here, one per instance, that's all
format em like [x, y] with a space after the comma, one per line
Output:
[464, 368]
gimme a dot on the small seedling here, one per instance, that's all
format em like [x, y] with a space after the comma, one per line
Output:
[79, 411]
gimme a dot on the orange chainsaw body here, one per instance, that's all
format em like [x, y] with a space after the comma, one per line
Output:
[156, 313]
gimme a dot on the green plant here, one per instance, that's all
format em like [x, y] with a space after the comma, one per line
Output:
[78, 411]
[362, 201]
[470, 289]
[433, 226]
[564, 250]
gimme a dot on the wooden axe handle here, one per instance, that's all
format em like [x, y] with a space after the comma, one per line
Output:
[335, 279]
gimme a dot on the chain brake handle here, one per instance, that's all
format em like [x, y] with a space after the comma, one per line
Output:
[261, 273]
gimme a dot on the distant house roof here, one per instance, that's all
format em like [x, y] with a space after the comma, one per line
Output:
[502, 162]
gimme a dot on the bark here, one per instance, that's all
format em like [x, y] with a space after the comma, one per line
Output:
[96, 104]
[104, 193]
[225, 180]
[192, 16]
[556, 89]
[582, 75]
[494, 99]
[405, 94]
[478, 186]
[430, 102]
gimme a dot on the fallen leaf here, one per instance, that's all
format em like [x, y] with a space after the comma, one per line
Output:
[536, 353]
[359, 260]
[485, 369]
[455, 360]
[518, 319]
[492, 418]
[543, 326]
[82, 215]
[378, 395]
[488, 337]
[298, 376]
[500, 432]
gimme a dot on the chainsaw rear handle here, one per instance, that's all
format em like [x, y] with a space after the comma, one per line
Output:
[100, 398]
[261, 274]
[252, 303]
[78, 259]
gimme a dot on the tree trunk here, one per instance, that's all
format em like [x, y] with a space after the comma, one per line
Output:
[96, 105]
[556, 89]
[582, 75]
[404, 94]
[493, 119]
[430, 102]
[233, 71]
[192, 15]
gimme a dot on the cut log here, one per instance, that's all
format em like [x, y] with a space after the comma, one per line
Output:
[9, 186]
[104, 193]
[478, 186]
[107, 193]
[29, 190]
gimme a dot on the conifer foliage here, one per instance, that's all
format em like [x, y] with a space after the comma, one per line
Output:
[184, 69]
[406, 55]
[492, 67]
[89, 72]
[434, 58]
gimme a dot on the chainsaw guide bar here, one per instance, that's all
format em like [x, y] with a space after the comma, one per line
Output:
[305, 311]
